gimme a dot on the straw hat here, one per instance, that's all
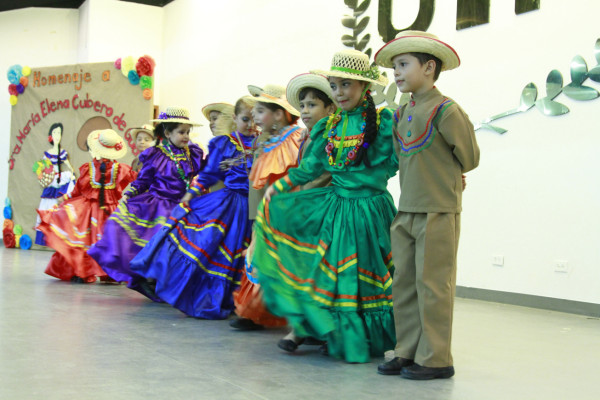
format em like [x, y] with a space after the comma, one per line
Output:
[224, 108]
[271, 94]
[352, 64]
[302, 81]
[106, 143]
[178, 115]
[146, 128]
[417, 42]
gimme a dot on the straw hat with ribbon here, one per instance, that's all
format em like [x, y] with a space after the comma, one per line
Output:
[146, 128]
[417, 42]
[178, 115]
[302, 81]
[274, 94]
[352, 64]
[224, 108]
[106, 143]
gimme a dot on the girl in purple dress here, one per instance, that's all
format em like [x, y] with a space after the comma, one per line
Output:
[196, 260]
[167, 171]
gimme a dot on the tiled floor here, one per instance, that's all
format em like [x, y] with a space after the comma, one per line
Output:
[102, 341]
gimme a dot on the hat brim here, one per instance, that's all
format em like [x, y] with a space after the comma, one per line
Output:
[382, 80]
[417, 44]
[177, 121]
[255, 90]
[302, 81]
[100, 151]
[265, 98]
[219, 107]
[137, 131]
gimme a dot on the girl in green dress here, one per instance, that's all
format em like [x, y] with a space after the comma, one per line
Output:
[323, 255]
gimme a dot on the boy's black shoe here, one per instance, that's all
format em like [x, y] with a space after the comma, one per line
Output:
[418, 372]
[394, 366]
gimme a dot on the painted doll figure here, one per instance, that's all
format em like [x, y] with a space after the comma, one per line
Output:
[78, 222]
[64, 177]
[196, 261]
[167, 171]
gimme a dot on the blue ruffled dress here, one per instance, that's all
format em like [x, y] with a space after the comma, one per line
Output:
[196, 258]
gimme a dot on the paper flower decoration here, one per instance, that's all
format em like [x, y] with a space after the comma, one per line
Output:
[26, 71]
[8, 224]
[20, 88]
[7, 201]
[25, 242]
[8, 237]
[24, 81]
[145, 66]
[133, 77]
[127, 64]
[138, 71]
[17, 229]
[13, 100]
[12, 89]
[8, 212]
[14, 74]
[146, 82]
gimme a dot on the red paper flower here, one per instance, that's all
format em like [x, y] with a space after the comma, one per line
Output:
[145, 66]
[12, 89]
[8, 237]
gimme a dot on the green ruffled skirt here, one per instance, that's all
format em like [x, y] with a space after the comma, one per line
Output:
[324, 262]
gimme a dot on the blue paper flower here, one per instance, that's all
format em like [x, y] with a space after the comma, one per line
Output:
[14, 74]
[25, 242]
[133, 77]
[7, 212]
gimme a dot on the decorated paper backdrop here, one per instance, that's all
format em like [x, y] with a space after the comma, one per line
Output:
[83, 97]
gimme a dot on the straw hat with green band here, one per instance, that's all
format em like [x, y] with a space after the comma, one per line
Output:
[274, 94]
[352, 64]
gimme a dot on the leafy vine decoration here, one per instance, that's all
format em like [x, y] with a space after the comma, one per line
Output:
[358, 25]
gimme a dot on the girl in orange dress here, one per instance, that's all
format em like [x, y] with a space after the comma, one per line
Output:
[78, 221]
[276, 151]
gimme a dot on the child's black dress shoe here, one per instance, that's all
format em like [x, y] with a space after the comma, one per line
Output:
[394, 366]
[418, 372]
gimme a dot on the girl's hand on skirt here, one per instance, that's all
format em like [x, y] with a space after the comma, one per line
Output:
[186, 198]
[270, 192]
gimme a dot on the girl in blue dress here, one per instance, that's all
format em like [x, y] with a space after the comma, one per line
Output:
[195, 261]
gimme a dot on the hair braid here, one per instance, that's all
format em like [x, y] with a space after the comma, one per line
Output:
[371, 130]
[102, 182]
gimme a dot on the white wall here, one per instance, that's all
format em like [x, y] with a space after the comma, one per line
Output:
[534, 199]
[38, 37]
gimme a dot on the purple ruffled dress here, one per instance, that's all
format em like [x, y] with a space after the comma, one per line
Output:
[157, 190]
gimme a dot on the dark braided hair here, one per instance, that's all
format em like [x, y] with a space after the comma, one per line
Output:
[102, 182]
[371, 130]
[161, 129]
[54, 126]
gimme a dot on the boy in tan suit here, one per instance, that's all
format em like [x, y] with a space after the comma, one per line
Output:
[435, 143]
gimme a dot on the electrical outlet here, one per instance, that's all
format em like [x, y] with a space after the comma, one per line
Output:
[498, 261]
[561, 266]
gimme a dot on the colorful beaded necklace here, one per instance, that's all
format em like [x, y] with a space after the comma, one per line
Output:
[177, 159]
[332, 137]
